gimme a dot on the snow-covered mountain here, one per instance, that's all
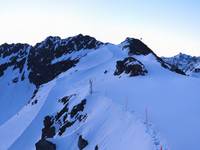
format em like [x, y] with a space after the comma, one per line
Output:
[189, 64]
[80, 93]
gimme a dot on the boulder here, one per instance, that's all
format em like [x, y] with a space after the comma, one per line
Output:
[43, 144]
[82, 143]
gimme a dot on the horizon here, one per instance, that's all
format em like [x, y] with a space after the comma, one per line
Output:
[168, 28]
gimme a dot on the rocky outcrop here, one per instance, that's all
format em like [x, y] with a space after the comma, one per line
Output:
[49, 130]
[39, 58]
[45, 145]
[136, 47]
[75, 115]
[14, 56]
[96, 147]
[64, 118]
[130, 66]
[82, 143]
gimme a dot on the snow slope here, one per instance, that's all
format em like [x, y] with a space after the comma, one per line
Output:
[13, 96]
[22, 119]
[116, 110]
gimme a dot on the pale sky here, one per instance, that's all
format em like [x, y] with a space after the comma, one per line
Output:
[166, 26]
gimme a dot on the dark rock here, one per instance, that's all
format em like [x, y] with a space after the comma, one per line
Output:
[61, 112]
[48, 121]
[67, 124]
[41, 56]
[12, 49]
[81, 117]
[43, 144]
[18, 54]
[20, 65]
[23, 76]
[66, 99]
[197, 70]
[82, 143]
[106, 71]
[61, 116]
[136, 47]
[41, 69]
[34, 102]
[49, 130]
[77, 108]
[35, 92]
[130, 66]
[15, 80]
[96, 147]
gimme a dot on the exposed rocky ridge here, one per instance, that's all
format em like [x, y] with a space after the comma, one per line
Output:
[46, 60]
[39, 57]
[136, 47]
[14, 55]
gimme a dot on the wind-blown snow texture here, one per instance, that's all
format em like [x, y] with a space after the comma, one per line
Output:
[74, 82]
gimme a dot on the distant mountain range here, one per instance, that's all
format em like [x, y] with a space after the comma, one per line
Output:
[189, 64]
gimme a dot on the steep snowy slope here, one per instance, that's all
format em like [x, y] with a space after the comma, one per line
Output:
[115, 97]
[15, 88]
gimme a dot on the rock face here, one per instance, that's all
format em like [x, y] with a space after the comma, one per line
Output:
[44, 61]
[96, 147]
[130, 66]
[82, 143]
[15, 56]
[41, 57]
[49, 130]
[136, 47]
[45, 145]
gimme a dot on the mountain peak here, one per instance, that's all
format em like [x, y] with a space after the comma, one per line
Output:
[136, 47]
[86, 41]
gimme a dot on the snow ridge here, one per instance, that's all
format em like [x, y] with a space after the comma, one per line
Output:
[70, 90]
